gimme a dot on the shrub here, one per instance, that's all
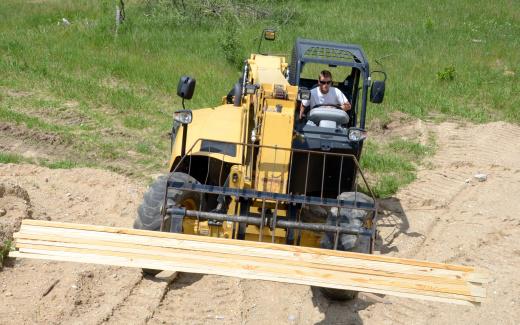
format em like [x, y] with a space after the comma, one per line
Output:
[447, 74]
[4, 251]
[231, 46]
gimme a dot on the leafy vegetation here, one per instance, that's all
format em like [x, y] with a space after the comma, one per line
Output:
[446, 74]
[109, 97]
[5, 248]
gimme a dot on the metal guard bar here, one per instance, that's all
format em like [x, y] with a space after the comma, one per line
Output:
[272, 223]
[291, 150]
[253, 194]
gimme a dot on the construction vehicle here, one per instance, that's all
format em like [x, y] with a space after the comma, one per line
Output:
[250, 169]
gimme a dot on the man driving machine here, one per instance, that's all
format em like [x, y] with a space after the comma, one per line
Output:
[325, 94]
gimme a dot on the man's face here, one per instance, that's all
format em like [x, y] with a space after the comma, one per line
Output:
[324, 83]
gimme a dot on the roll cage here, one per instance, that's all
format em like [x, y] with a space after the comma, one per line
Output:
[333, 55]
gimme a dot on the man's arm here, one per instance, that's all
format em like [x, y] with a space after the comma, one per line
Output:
[302, 110]
[343, 100]
[303, 105]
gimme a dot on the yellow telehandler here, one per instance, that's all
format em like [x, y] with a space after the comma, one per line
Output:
[251, 169]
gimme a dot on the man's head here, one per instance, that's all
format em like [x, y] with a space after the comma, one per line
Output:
[324, 81]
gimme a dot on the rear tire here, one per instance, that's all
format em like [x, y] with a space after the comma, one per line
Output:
[351, 243]
[149, 216]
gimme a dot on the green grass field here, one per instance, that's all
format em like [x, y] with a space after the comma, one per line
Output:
[109, 98]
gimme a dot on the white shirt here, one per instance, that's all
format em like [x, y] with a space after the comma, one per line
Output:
[334, 97]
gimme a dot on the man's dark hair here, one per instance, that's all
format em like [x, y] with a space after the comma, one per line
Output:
[326, 73]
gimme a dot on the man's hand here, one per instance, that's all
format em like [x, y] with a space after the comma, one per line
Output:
[302, 110]
[347, 107]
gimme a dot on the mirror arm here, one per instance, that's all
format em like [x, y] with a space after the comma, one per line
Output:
[184, 136]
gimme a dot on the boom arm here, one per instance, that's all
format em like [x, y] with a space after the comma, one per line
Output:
[272, 107]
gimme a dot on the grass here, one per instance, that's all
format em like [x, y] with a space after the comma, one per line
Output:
[61, 164]
[414, 151]
[110, 97]
[392, 165]
[8, 158]
[5, 248]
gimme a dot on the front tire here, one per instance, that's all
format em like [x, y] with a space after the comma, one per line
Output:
[351, 243]
[149, 216]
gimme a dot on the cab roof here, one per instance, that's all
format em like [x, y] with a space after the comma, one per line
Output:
[330, 53]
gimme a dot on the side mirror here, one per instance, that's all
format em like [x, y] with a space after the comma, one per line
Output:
[377, 92]
[269, 34]
[186, 87]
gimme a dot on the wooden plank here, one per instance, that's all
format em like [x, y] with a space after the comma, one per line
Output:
[260, 251]
[296, 249]
[272, 271]
[436, 283]
[125, 262]
[383, 278]
[312, 258]
[29, 238]
[250, 260]
[133, 262]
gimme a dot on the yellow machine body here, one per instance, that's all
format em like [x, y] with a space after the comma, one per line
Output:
[265, 118]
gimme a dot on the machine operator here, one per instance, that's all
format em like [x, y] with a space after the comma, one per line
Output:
[325, 94]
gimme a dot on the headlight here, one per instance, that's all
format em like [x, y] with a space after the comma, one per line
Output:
[357, 134]
[183, 116]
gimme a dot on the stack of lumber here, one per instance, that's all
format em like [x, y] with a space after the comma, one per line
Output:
[251, 260]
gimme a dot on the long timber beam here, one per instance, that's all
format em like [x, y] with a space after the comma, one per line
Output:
[250, 260]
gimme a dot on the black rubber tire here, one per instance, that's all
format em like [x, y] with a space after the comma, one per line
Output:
[237, 95]
[351, 243]
[149, 215]
[338, 294]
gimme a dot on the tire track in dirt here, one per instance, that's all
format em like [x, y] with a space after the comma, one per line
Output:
[461, 220]
[477, 229]
[83, 294]
[463, 152]
[197, 299]
[268, 302]
[140, 303]
[484, 145]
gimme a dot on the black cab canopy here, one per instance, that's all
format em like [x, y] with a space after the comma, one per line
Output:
[329, 53]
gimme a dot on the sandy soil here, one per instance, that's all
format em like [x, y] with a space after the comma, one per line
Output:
[446, 215]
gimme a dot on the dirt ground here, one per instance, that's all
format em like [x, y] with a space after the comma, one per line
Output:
[446, 215]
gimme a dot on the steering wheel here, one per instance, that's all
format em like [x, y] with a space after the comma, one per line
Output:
[328, 105]
[328, 116]
[307, 110]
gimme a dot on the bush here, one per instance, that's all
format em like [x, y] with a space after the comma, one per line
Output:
[210, 12]
[234, 51]
[428, 25]
[447, 74]
[4, 251]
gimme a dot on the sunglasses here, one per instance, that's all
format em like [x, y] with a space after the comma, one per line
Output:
[323, 82]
